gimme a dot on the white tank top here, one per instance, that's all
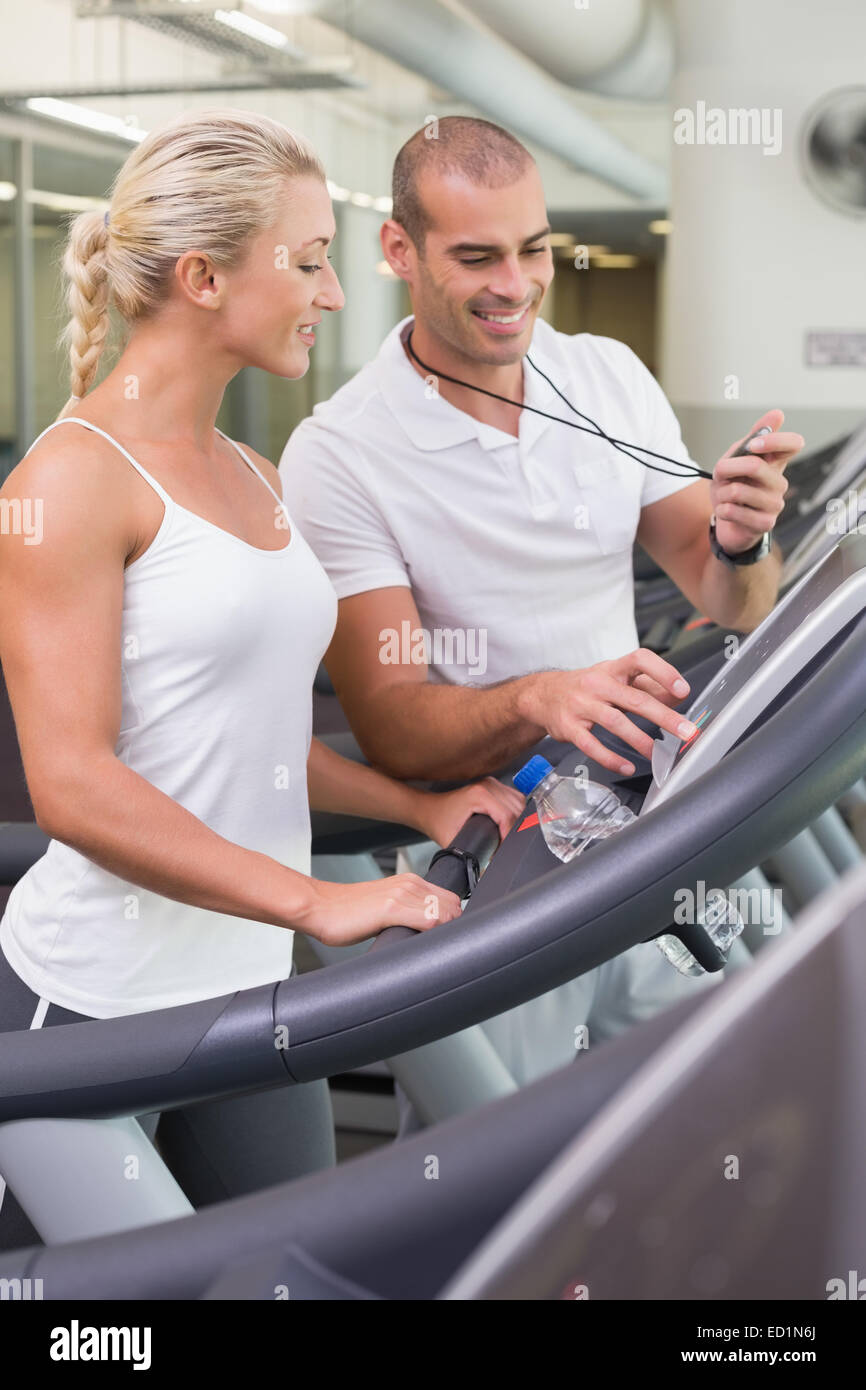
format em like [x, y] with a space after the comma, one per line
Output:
[220, 645]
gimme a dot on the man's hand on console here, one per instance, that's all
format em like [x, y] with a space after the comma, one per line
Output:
[568, 703]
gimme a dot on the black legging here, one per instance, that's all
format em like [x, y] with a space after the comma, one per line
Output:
[216, 1149]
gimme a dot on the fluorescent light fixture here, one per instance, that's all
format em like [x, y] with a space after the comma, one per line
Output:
[281, 6]
[661, 226]
[57, 202]
[569, 242]
[253, 28]
[615, 262]
[284, 6]
[66, 202]
[85, 116]
[591, 249]
[361, 200]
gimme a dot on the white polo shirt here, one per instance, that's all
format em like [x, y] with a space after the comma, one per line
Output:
[518, 551]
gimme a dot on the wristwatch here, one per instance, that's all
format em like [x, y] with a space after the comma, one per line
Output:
[759, 551]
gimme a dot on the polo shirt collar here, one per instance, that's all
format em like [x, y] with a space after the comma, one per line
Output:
[434, 423]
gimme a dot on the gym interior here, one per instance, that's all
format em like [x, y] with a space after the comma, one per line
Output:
[538, 471]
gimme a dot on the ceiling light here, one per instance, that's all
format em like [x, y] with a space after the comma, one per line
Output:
[283, 6]
[85, 116]
[361, 200]
[615, 262]
[661, 226]
[57, 202]
[585, 250]
[253, 28]
[569, 243]
[65, 202]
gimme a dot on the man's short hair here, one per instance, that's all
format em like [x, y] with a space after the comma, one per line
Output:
[482, 152]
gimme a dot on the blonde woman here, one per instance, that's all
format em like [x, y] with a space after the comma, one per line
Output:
[160, 641]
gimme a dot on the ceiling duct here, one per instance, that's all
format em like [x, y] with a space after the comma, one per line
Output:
[461, 55]
[623, 48]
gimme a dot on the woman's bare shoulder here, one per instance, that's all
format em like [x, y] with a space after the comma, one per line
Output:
[74, 474]
[67, 445]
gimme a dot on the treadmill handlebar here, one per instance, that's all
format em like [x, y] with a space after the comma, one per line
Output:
[537, 935]
[168, 1057]
[456, 868]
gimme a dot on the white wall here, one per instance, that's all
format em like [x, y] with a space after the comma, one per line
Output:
[755, 259]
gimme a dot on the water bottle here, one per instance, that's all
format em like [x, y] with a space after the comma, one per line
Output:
[571, 812]
[722, 923]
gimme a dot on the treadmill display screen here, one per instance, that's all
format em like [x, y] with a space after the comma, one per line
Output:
[782, 623]
[821, 538]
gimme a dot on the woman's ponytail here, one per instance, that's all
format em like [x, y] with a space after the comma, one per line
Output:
[87, 295]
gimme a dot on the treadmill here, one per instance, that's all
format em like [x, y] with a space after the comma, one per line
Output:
[730, 1166]
[782, 736]
[713, 1153]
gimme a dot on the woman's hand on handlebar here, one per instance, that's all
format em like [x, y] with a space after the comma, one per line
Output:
[568, 703]
[442, 814]
[339, 914]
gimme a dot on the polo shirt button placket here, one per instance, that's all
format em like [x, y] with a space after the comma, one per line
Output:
[543, 500]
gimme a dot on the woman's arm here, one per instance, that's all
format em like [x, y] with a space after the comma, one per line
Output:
[61, 603]
[335, 783]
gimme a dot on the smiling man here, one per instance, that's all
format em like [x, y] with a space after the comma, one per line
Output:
[439, 500]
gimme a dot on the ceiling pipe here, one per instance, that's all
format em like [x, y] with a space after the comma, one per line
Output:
[461, 55]
[623, 48]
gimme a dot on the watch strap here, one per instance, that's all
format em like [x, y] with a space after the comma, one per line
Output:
[759, 551]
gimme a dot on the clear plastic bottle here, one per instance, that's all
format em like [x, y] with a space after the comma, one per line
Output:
[722, 923]
[571, 812]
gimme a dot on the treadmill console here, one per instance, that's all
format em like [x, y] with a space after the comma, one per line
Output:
[810, 615]
[817, 542]
[848, 465]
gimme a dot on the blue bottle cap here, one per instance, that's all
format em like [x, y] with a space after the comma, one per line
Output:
[529, 776]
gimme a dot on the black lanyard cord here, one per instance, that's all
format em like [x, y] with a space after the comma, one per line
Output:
[692, 469]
